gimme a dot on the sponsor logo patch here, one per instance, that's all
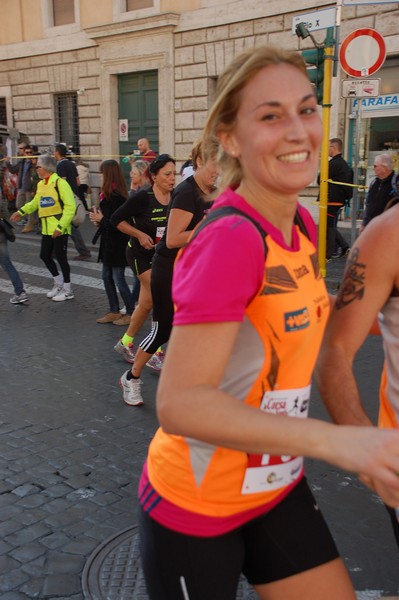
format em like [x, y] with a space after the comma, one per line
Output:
[297, 319]
[301, 271]
[47, 201]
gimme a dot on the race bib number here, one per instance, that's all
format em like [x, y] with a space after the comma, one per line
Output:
[159, 234]
[265, 472]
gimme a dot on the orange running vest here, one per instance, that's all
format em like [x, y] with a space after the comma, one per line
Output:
[271, 369]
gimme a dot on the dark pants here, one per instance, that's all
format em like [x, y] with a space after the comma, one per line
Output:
[6, 264]
[335, 239]
[58, 246]
[395, 522]
[163, 308]
[114, 277]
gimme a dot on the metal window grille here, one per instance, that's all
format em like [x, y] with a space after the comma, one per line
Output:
[3, 112]
[138, 4]
[63, 12]
[67, 120]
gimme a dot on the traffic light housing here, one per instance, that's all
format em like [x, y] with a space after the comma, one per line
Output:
[314, 60]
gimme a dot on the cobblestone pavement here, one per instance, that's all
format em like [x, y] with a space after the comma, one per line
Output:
[71, 451]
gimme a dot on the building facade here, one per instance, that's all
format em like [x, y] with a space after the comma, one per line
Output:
[99, 75]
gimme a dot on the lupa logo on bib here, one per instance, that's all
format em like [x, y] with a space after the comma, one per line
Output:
[46, 201]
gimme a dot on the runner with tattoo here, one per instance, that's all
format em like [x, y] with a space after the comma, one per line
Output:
[370, 289]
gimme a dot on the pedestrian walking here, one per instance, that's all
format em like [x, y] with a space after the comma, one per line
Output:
[112, 252]
[67, 169]
[23, 170]
[55, 204]
[223, 488]
[20, 297]
[338, 196]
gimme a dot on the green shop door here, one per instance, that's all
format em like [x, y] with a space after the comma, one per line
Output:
[138, 103]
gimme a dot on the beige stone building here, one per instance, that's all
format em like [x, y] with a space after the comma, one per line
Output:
[99, 74]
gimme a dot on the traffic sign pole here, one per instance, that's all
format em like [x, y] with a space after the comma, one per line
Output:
[355, 199]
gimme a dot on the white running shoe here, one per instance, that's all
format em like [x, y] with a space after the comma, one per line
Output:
[131, 390]
[53, 292]
[128, 352]
[63, 295]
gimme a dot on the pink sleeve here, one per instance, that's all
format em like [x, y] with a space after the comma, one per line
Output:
[219, 273]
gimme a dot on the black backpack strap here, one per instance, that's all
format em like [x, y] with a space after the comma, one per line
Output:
[226, 211]
[58, 192]
[300, 222]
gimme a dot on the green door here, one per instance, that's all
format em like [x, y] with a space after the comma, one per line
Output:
[138, 103]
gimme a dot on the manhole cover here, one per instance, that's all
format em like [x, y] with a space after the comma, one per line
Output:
[113, 571]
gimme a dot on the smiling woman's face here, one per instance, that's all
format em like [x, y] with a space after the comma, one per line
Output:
[278, 131]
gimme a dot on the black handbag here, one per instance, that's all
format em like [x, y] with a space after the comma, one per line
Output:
[8, 230]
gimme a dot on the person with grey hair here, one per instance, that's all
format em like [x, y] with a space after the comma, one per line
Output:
[380, 190]
[55, 204]
[139, 174]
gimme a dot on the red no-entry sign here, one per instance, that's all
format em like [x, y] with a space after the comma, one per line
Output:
[362, 52]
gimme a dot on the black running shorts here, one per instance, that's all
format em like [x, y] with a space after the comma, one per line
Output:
[138, 265]
[293, 537]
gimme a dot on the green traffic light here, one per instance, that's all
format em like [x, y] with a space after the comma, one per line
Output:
[314, 60]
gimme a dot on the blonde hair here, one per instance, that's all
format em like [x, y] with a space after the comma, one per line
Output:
[205, 151]
[223, 113]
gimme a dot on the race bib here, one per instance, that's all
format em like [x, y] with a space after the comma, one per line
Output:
[265, 472]
[159, 233]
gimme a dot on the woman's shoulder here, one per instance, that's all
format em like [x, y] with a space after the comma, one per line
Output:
[143, 194]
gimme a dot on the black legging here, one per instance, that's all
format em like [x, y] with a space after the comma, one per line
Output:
[163, 309]
[58, 245]
[395, 522]
[82, 191]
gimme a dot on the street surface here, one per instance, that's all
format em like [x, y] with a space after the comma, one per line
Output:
[71, 451]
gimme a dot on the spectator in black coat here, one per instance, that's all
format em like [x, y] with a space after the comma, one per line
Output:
[338, 170]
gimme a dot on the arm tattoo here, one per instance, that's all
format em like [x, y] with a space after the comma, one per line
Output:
[353, 284]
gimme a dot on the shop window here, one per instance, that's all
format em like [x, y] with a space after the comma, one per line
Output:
[63, 12]
[67, 120]
[138, 4]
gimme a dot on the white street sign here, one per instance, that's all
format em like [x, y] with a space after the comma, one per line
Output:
[314, 21]
[360, 88]
[123, 130]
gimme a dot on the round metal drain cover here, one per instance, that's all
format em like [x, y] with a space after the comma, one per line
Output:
[113, 571]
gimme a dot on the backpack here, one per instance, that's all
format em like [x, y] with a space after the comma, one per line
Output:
[80, 212]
